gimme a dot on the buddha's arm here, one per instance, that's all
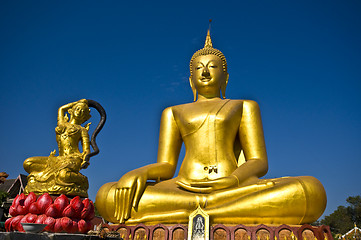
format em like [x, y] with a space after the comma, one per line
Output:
[131, 186]
[253, 144]
[170, 143]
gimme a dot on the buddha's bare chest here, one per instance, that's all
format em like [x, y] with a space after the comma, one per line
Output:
[212, 117]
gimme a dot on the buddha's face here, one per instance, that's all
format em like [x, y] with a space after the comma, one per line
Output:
[208, 75]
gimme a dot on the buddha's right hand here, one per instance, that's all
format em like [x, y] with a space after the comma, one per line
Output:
[128, 193]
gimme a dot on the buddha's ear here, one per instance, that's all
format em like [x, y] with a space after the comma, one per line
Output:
[224, 86]
[194, 90]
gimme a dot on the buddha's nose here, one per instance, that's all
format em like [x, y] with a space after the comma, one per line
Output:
[205, 72]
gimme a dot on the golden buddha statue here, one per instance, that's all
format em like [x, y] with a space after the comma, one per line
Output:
[225, 158]
[60, 174]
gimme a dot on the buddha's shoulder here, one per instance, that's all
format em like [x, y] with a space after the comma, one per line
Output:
[229, 102]
[176, 108]
[242, 104]
[245, 105]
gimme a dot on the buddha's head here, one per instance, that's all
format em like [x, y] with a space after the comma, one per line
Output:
[208, 68]
[80, 112]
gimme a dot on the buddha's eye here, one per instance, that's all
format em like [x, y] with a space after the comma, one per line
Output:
[199, 67]
[212, 66]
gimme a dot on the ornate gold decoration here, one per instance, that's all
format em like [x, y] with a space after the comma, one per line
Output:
[60, 174]
[216, 133]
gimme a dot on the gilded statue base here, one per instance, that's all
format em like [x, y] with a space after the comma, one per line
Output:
[51, 187]
[222, 232]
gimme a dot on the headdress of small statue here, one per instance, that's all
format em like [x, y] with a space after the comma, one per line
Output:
[207, 50]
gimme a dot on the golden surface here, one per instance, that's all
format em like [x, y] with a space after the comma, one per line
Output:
[60, 174]
[225, 157]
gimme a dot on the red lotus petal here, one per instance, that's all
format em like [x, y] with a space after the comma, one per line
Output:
[61, 202]
[91, 214]
[21, 200]
[51, 222]
[86, 202]
[57, 226]
[8, 224]
[34, 208]
[16, 201]
[82, 226]
[31, 198]
[31, 218]
[69, 212]
[74, 228]
[67, 224]
[86, 210]
[41, 219]
[51, 211]
[15, 222]
[88, 214]
[44, 201]
[21, 210]
[84, 213]
[12, 211]
[78, 206]
[19, 227]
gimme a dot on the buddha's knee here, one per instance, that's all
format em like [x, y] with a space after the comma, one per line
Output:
[315, 196]
[104, 201]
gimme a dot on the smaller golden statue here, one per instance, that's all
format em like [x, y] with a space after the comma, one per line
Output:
[60, 174]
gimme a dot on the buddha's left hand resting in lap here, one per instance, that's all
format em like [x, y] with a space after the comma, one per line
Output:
[225, 158]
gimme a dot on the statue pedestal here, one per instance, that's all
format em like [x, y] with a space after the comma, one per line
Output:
[48, 236]
[221, 232]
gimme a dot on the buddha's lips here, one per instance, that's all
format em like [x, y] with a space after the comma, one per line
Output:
[206, 79]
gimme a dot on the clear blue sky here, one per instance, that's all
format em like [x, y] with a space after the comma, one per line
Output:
[300, 60]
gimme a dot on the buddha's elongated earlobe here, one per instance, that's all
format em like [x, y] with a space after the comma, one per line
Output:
[224, 86]
[194, 90]
[223, 90]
